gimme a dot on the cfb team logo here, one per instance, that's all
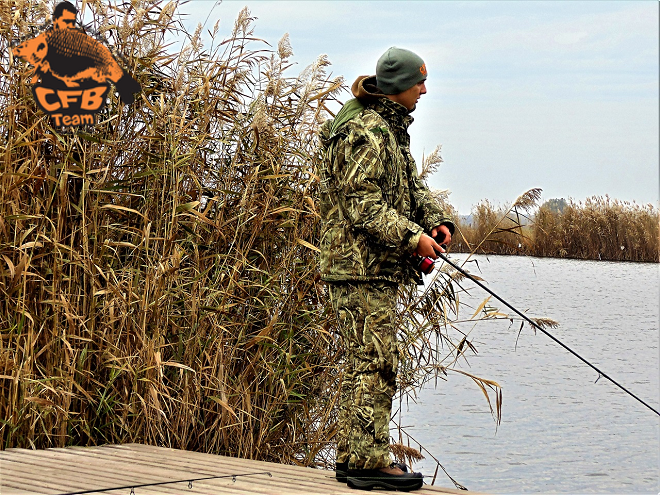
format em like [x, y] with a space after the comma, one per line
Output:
[73, 71]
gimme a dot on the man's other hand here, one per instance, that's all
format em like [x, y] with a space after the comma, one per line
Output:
[441, 234]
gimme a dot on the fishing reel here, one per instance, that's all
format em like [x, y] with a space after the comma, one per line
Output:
[423, 264]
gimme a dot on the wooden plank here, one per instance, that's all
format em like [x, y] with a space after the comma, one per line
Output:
[210, 463]
[59, 471]
[294, 470]
[90, 473]
[102, 465]
[40, 477]
[104, 471]
[273, 467]
[28, 482]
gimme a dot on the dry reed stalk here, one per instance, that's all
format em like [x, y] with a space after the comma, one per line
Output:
[601, 228]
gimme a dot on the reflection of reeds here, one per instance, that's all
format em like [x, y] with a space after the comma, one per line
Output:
[600, 228]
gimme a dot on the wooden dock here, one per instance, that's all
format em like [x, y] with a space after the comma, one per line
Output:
[125, 469]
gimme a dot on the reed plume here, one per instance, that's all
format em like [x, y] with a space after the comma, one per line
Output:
[158, 273]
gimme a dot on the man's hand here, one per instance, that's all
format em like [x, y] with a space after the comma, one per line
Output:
[427, 247]
[442, 234]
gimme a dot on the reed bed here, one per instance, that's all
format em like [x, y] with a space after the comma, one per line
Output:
[601, 228]
[157, 282]
[159, 275]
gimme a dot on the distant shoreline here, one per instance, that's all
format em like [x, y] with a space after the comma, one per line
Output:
[451, 251]
[601, 228]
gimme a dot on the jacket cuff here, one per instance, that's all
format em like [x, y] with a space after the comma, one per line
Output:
[437, 220]
[412, 239]
[450, 226]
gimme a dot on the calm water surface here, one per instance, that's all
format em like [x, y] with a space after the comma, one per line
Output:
[560, 431]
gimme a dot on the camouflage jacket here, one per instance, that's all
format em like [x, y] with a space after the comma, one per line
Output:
[374, 206]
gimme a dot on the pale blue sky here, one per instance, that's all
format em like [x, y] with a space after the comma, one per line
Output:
[558, 95]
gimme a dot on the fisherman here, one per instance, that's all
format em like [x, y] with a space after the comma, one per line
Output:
[377, 214]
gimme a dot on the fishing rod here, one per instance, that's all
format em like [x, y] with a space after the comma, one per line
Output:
[144, 485]
[538, 327]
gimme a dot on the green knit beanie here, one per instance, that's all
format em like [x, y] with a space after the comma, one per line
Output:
[398, 70]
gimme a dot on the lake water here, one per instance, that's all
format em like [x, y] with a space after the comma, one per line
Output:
[560, 431]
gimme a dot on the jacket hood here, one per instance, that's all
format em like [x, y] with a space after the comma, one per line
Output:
[365, 88]
[366, 94]
[365, 91]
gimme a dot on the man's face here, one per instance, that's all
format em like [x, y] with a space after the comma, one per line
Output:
[66, 21]
[410, 97]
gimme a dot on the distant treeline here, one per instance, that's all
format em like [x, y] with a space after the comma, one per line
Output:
[601, 228]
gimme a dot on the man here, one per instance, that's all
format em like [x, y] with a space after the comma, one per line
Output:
[376, 215]
[64, 16]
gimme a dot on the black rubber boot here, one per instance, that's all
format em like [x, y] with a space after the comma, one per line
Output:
[341, 470]
[368, 479]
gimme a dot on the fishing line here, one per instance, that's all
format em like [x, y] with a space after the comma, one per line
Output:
[535, 325]
[190, 483]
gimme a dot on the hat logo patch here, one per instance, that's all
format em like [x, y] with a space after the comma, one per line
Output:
[422, 69]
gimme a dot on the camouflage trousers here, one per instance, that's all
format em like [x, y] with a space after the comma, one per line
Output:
[366, 316]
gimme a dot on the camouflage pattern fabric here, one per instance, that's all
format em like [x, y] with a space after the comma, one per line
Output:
[374, 209]
[366, 316]
[373, 204]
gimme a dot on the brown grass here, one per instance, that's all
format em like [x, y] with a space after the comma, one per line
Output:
[156, 281]
[598, 229]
